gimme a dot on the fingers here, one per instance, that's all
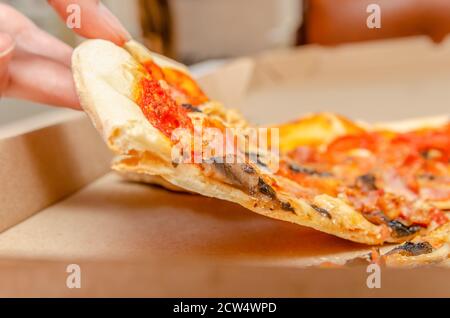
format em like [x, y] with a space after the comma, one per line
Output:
[31, 39]
[12, 20]
[6, 49]
[41, 80]
[38, 42]
[40, 69]
[96, 20]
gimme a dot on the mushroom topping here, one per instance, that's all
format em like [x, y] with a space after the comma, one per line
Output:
[366, 182]
[412, 249]
[401, 230]
[322, 211]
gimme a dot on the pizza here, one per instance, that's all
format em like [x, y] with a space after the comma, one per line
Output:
[372, 184]
[395, 174]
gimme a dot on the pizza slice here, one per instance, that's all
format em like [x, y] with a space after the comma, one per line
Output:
[144, 104]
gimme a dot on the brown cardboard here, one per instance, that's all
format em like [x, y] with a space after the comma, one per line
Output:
[115, 220]
[375, 81]
[55, 157]
[168, 244]
[205, 278]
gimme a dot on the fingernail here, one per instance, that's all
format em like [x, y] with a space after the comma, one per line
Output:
[114, 23]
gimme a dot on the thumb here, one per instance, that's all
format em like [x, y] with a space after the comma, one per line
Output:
[6, 52]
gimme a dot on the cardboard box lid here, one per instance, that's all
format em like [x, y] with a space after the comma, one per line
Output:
[45, 159]
[373, 81]
[111, 221]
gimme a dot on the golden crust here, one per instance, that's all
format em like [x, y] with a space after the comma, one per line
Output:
[147, 178]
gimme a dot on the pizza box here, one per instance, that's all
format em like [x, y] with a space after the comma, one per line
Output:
[62, 212]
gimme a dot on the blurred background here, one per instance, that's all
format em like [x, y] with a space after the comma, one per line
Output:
[204, 33]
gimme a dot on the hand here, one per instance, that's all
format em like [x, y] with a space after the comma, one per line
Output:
[36, 66]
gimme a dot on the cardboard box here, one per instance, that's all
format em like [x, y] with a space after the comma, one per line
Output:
[60, 205]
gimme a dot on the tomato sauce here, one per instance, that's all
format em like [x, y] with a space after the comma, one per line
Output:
[160, 109]
[183, 87]
[163, 106]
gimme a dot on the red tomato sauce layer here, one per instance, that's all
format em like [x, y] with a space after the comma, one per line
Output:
[160, 109]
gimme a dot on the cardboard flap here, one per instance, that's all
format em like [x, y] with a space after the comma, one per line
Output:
[180, 277]
[41, 166]
[229, 84]
[376, 81]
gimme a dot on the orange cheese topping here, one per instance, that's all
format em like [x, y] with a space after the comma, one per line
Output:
[183, 88]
